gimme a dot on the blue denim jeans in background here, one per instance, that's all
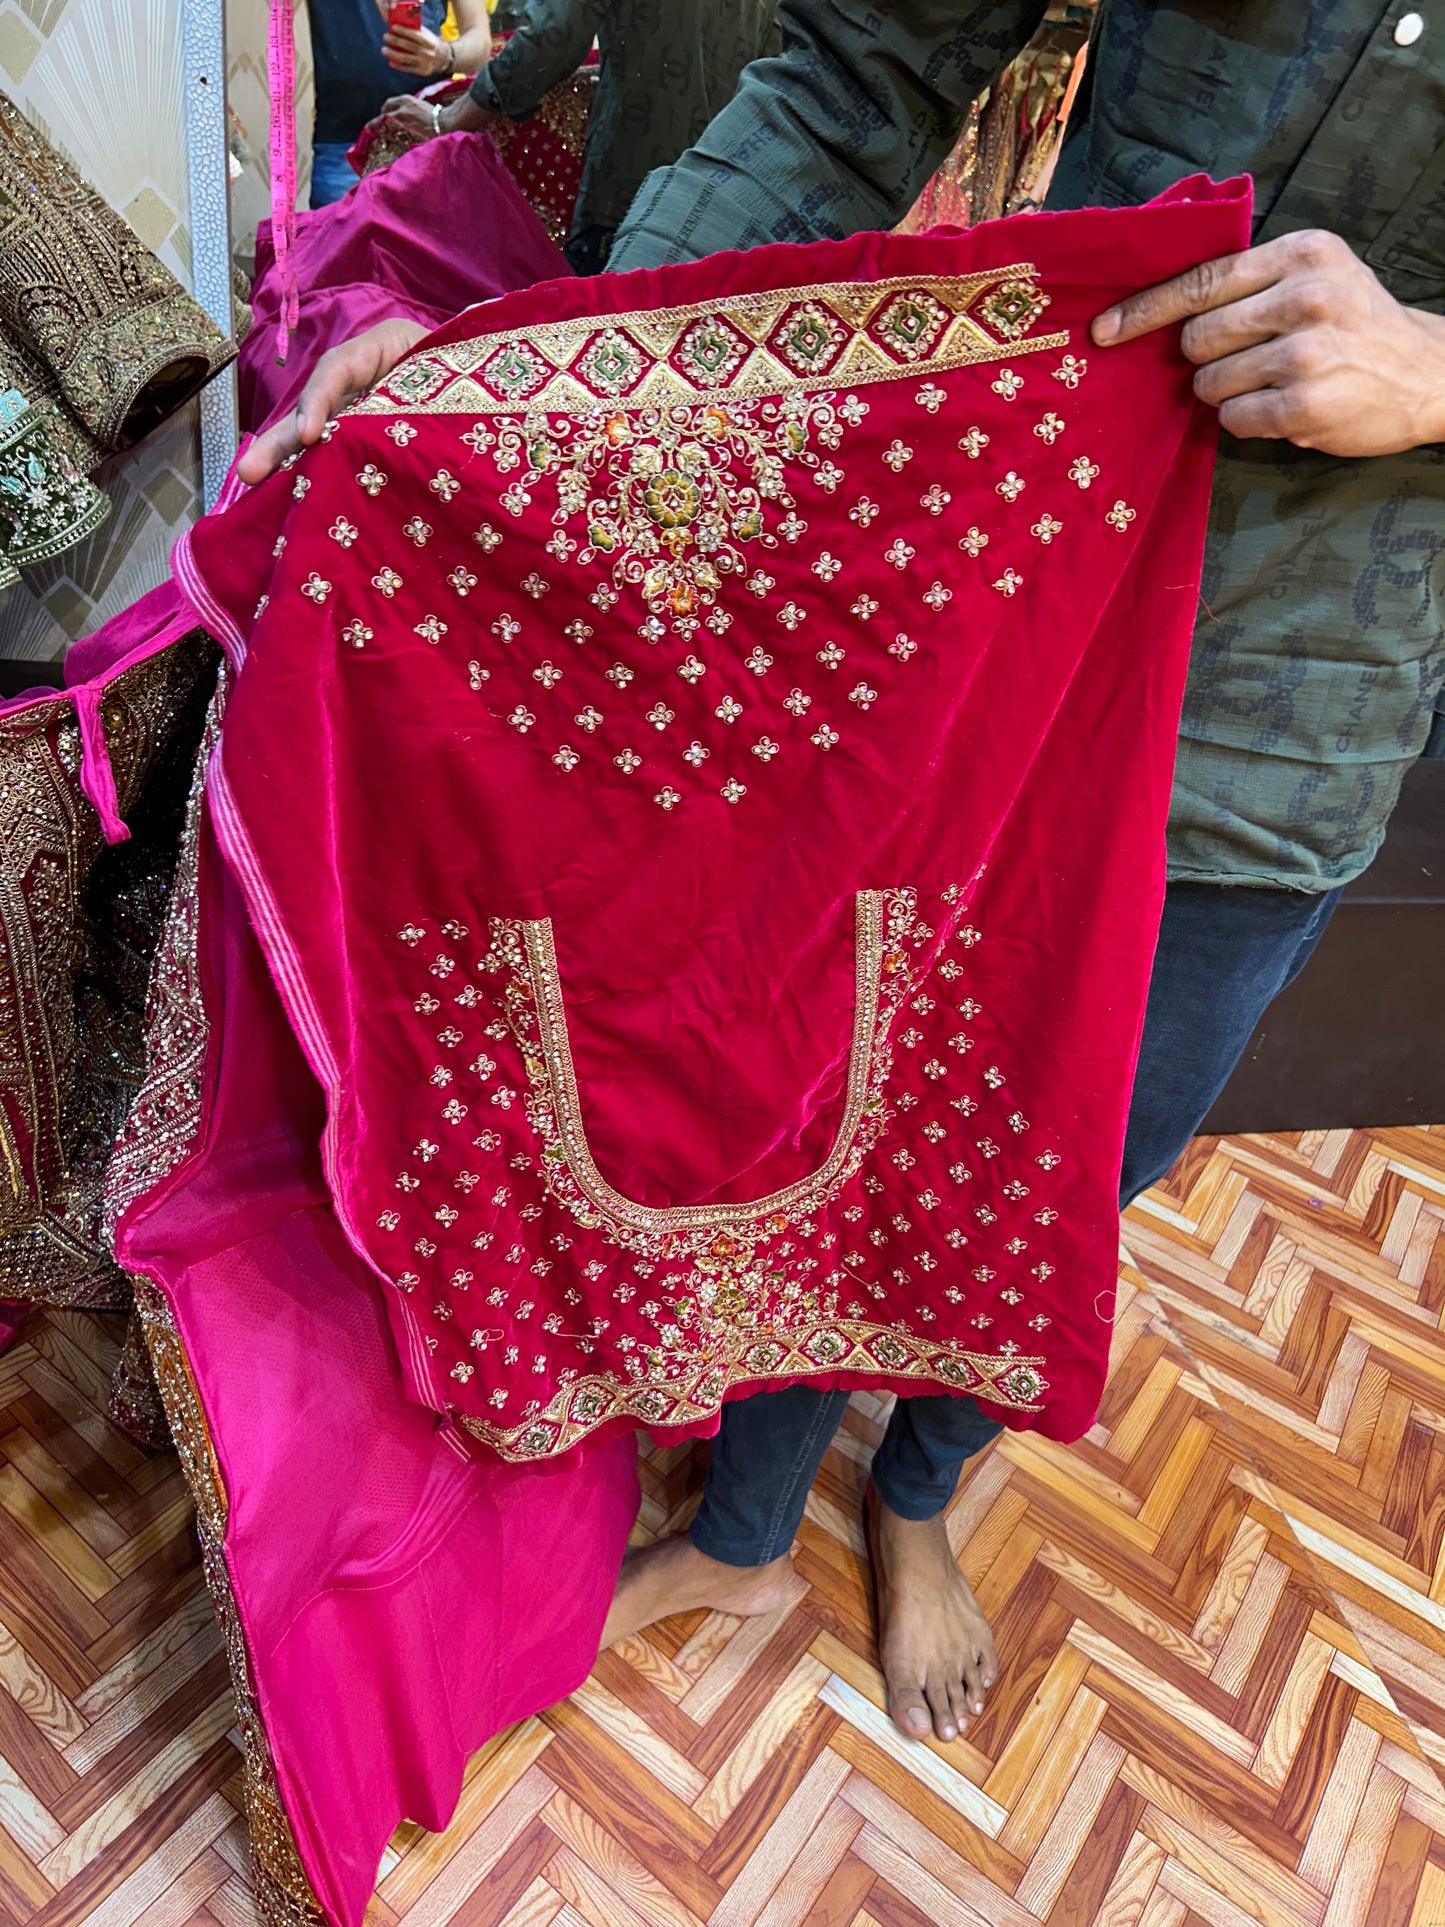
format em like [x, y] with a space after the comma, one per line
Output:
[1224, 955]
[332, 175]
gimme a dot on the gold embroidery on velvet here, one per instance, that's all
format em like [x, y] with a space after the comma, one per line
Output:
[124, 340]
[741, 1354]
[741, 1314]
[46, 505]
[830, 336]
[673, 494]
[165, 1115]
[538, 1018]
[78, 926]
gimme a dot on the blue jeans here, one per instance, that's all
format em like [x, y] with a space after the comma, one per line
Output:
[1224, 955]
[331, 172]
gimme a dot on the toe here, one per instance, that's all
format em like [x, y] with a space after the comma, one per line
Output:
[909, 1712]
[962, 1705]
[940, 1705]
[977, 1678]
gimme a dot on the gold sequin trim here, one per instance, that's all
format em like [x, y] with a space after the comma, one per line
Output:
[828, 336]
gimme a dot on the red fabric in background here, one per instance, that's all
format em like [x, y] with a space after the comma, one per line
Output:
[444, 226]
[403, 765]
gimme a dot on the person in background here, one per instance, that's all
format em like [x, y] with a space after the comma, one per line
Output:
[360, 59]
[666, 68]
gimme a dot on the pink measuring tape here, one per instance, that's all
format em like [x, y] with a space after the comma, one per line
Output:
[281, 74]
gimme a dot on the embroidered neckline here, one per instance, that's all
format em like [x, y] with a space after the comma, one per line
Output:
[568, 1140]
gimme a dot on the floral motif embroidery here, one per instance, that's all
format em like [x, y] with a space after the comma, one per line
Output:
[1120, 516]
[671, 496]
[1046, 528]
[1071, 370]
[1082, 471]
[1009, 582]
[316, 587]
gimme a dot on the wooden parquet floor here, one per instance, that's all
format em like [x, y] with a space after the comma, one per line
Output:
[1221, 1618]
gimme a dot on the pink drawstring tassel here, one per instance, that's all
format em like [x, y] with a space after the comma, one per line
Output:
[281, 72]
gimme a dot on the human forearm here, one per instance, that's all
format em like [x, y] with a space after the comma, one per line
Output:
[551, 43]
[835, 135]
[472, 48]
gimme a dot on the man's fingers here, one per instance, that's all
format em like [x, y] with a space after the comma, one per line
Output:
[268, 451]
[1314, 258]
[342, 373]
[1266, 414]
[1269, 364]
[1209, 285]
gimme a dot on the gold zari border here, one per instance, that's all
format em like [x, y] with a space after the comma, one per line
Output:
[445, 381]
[841, 1345]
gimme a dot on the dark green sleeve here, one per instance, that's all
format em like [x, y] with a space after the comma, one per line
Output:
[553, 40]
[837, 133]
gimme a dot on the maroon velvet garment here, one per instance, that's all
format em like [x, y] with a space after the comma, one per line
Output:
[699, 775]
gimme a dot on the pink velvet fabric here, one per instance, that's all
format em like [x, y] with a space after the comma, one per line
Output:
[400, 1601]
[560, 671]
[444, 226]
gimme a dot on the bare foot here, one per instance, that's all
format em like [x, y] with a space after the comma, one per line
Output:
[933, 1642]
[674, 1577]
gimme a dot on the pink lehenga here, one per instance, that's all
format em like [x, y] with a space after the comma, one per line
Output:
[666, 912]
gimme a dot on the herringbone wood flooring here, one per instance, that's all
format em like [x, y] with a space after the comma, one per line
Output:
[1221, 1619]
